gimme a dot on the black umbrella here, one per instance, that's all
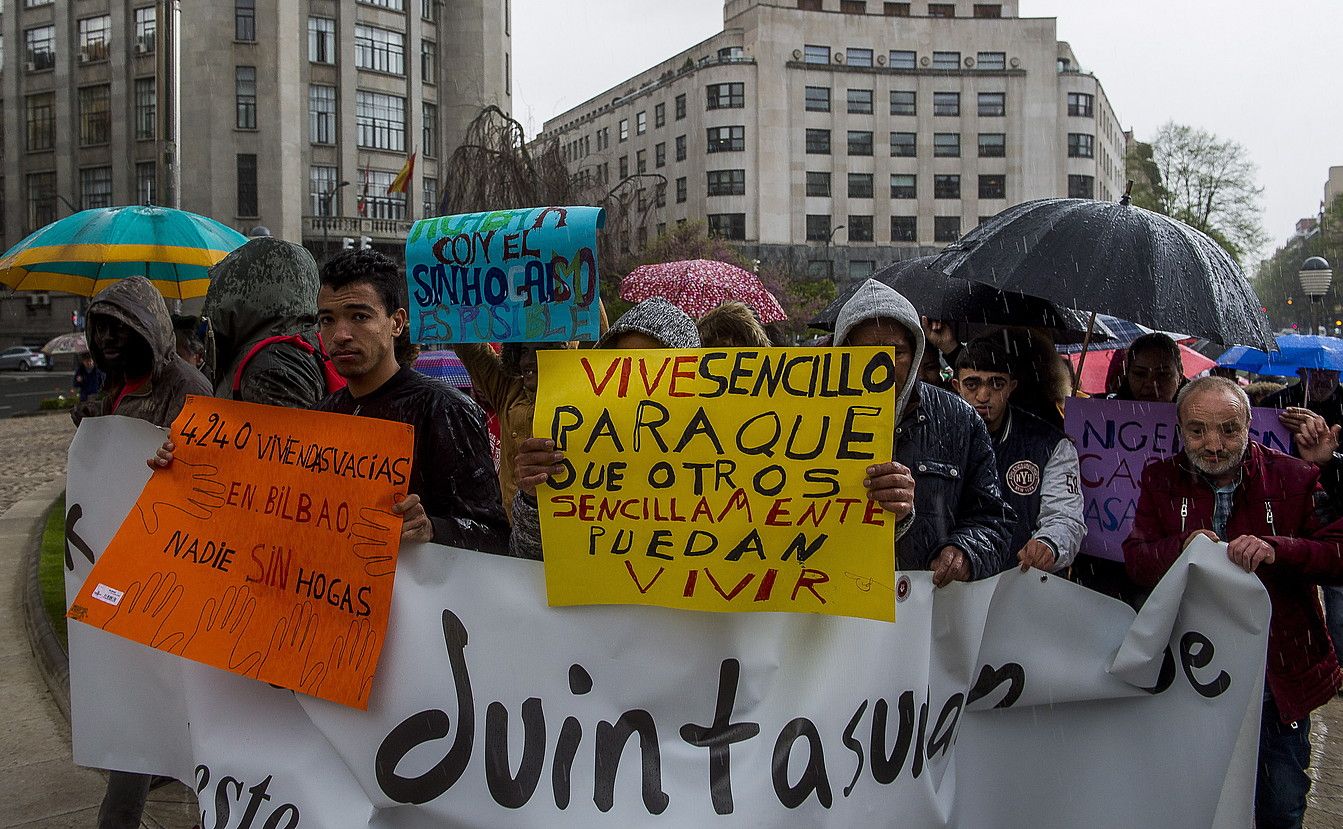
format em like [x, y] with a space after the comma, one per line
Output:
[941, 297]
[1113, 258]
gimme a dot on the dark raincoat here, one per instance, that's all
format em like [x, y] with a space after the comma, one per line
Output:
[265, 288]
[136, 303]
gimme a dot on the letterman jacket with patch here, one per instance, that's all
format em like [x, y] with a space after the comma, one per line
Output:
[1037, 468]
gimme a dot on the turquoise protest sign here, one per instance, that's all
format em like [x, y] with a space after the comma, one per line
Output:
[507, 275]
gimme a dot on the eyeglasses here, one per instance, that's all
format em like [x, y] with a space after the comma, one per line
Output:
[974, 384]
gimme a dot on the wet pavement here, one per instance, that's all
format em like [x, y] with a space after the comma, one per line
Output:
[1325, 809]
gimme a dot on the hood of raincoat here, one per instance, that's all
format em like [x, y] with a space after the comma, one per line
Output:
[656, 318]
[137, 304]
[875, 300]
[266, 288]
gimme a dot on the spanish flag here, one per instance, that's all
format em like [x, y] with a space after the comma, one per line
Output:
[401, 184]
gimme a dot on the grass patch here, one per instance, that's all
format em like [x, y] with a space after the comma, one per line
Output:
[51, 571]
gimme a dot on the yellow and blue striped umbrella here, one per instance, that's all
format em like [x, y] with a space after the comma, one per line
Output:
[84, 253]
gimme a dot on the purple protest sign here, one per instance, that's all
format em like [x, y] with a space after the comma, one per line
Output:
[1115, 439]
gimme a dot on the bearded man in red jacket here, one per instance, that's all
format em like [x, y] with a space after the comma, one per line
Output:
[1267, 507]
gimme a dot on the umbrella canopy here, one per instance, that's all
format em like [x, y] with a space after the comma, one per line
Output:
[1117, 259]
[445, 365]
[697, 286]
[66, 344]
[84, 253]
[1098, 366]
[941, 297]
[1295, 351]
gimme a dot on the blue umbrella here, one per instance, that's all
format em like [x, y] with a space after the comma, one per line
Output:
[1295, 351]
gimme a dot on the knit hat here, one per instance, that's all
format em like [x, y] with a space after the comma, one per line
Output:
[657, 318]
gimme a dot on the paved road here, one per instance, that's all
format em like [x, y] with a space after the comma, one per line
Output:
[21, 392]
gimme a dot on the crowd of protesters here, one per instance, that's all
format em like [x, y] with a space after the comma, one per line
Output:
[981, 477]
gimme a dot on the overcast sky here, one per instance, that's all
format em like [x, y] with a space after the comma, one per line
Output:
[1264, 74]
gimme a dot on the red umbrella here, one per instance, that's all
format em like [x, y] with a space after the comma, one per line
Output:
[697, 286]
[1098, 364]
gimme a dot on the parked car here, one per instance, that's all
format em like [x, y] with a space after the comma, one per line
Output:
[23, 358]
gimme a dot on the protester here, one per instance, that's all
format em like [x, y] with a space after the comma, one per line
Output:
[960, 524]
[1318, 391]
[188, 342]
[1227, 487]
[1262, 389]
[88, 377]
[1044, 381]
[653, 323]
[942, 344]
[262, 308]
[732, 325]
[1153, 371]
[1037, 464]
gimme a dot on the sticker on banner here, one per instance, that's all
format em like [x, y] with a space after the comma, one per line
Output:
[902, 589]
[108, 595]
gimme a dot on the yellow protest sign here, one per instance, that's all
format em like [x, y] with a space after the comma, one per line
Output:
[727, 480]
[267, 549]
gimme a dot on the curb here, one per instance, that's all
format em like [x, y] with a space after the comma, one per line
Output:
[52, 660]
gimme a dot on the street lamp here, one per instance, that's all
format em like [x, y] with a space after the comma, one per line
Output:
[1315, 277]
[326, 215]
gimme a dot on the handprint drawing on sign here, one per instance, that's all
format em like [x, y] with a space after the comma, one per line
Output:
[221, 627]
[149, 605]
[373, 535]
[349, 672]
[204, 497]
[292, 642]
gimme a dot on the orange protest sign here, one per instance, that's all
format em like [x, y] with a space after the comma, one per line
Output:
[268, 548]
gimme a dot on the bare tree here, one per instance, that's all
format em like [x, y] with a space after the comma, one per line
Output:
[1211, 184]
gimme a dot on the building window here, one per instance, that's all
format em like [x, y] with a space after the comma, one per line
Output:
[860, 229]
[680, 148]
[660, 155]
[641, 161]
[853, 6]
[904, 145]
[379, 50]
[818, 142]
[429, 129]
[726, 96]
[680, 106]
[429, 204]
[988, 10]
[323, 191]
[428, 51]
[39, 46]
[904, 186]
[727, 139]
[1081, 145]
[941, 9]
[641, 123]
[904, 228]
[659, 116]
[946, 228]
[1080, 104]
[728, 225]
[624, 130]
[322, 114]
[380, 121]
[321, 40]
[902, 59]
[946, 103]
[946, 60]
[818, 228]
[41, 200]
[818, 184]
[992, 145]
[860, 142]
[946, 145]
[858, 57]
[429, 11]
[394, 5]
[1081, 187]
[244, 86]
[624, 167]
[895, 9]
[726, 183]
[146, 29]
[991, 104]
[95, 188]
[860, 102]
[247, 201]
[991, 61]
[818, 99]
[41, 121]
[993, 187]
[946, 187]
[860, 185]
[146, 109]
[903, 102]
[95, 34]
[244, 20]
[681, 190]
[378, 203]
[815, 54]
[95, 115]
[146, 183]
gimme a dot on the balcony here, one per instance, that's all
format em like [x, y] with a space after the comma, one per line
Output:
[380, 230]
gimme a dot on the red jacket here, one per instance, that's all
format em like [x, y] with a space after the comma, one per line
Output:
[1275, 501]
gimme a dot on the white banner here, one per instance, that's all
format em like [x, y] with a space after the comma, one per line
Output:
[1023, 700]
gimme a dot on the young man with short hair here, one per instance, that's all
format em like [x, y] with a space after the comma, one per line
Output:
[1037, 464]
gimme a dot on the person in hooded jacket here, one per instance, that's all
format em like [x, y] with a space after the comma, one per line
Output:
[265, 289]
[960, 524]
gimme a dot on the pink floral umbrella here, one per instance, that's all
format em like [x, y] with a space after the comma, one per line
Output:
[697, 286]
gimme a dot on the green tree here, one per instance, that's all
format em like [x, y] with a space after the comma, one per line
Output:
[1278, 283]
